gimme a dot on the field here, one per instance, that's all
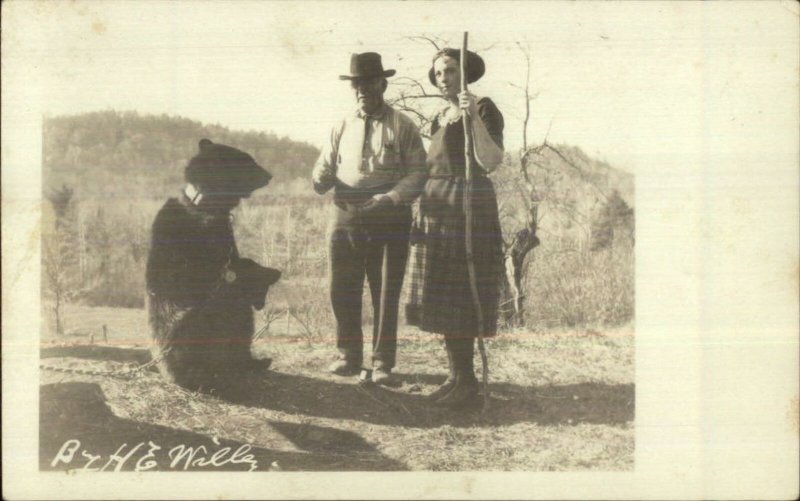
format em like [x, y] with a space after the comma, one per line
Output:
[561, 372]
[562, 384]
[560, 401]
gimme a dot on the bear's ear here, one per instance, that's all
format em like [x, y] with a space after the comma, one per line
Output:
[204, 143]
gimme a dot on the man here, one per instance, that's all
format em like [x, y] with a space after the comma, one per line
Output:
[376, 164]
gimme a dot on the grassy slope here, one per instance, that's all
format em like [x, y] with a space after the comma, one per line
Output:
[561, 401]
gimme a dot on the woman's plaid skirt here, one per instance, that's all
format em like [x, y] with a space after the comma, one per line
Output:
[440, 298]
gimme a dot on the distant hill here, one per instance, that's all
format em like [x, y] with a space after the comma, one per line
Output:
[601, 174]
[596, 202]
[125, 153]
[118, 167]
[574, 192]
[113, 154]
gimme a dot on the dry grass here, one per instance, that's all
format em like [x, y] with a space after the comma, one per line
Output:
[561, 401]
[569, 288]
[566, 285]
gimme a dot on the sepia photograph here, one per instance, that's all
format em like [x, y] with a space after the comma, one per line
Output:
[477, 243]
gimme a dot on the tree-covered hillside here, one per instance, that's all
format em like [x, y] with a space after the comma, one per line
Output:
[106, 174]
[125, 153]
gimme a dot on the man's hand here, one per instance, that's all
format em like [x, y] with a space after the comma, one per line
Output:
[376, 202]
[323, 179]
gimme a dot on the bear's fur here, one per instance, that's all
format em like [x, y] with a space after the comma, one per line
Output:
[200, 293]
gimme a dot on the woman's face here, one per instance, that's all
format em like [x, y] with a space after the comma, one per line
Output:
[448, 76]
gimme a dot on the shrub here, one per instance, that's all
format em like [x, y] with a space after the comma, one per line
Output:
[571, 288]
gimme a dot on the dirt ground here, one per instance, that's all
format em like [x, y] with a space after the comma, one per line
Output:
[560, 401]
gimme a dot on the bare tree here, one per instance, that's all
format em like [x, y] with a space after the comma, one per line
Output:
[537, 175]
[525, 239]
[411, 97]
[529, 179]
[60, 254]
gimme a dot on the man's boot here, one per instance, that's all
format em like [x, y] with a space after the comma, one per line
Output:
[465, 389]
[448, 384]
[347, 364]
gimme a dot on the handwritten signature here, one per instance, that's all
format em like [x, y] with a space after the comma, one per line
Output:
[180, 457]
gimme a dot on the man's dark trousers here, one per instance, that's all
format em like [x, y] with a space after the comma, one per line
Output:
[375, 245]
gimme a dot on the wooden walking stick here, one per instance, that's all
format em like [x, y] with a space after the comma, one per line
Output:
[473, 283]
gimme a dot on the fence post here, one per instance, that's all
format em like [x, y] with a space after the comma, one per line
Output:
[81, 248]
[287, 233]
[271, 248]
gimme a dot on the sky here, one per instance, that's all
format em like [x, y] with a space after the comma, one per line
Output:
[627, 82]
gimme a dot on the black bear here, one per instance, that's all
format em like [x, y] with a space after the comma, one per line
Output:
[200, 293]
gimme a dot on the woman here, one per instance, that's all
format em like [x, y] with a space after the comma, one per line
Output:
[441, 299]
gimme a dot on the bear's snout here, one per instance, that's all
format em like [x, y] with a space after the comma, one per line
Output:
[258, 177]
[266, 177]
[273, 275]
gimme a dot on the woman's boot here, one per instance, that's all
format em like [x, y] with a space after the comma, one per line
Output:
[465, 389]
[448, 384]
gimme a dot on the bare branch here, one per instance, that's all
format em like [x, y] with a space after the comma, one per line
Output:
[409, 109]
[580, 170]
[527, 97]
[411, 81]
[487, 47]
[421, 96]
[525, 48]
[549, 126]
[424, 38]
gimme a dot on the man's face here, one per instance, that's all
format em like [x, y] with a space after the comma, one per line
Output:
[369, 93]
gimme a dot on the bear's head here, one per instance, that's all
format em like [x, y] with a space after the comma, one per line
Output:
[223, 175]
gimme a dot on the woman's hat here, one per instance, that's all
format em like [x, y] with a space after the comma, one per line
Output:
[475, 67]
[366, 65]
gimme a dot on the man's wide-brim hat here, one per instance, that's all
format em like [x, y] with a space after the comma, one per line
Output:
[366, 65]
[475, 67]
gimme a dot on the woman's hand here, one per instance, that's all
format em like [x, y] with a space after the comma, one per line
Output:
[468, 103]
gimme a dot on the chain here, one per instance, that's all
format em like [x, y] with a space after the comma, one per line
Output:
[227, 275]
[121, 374]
